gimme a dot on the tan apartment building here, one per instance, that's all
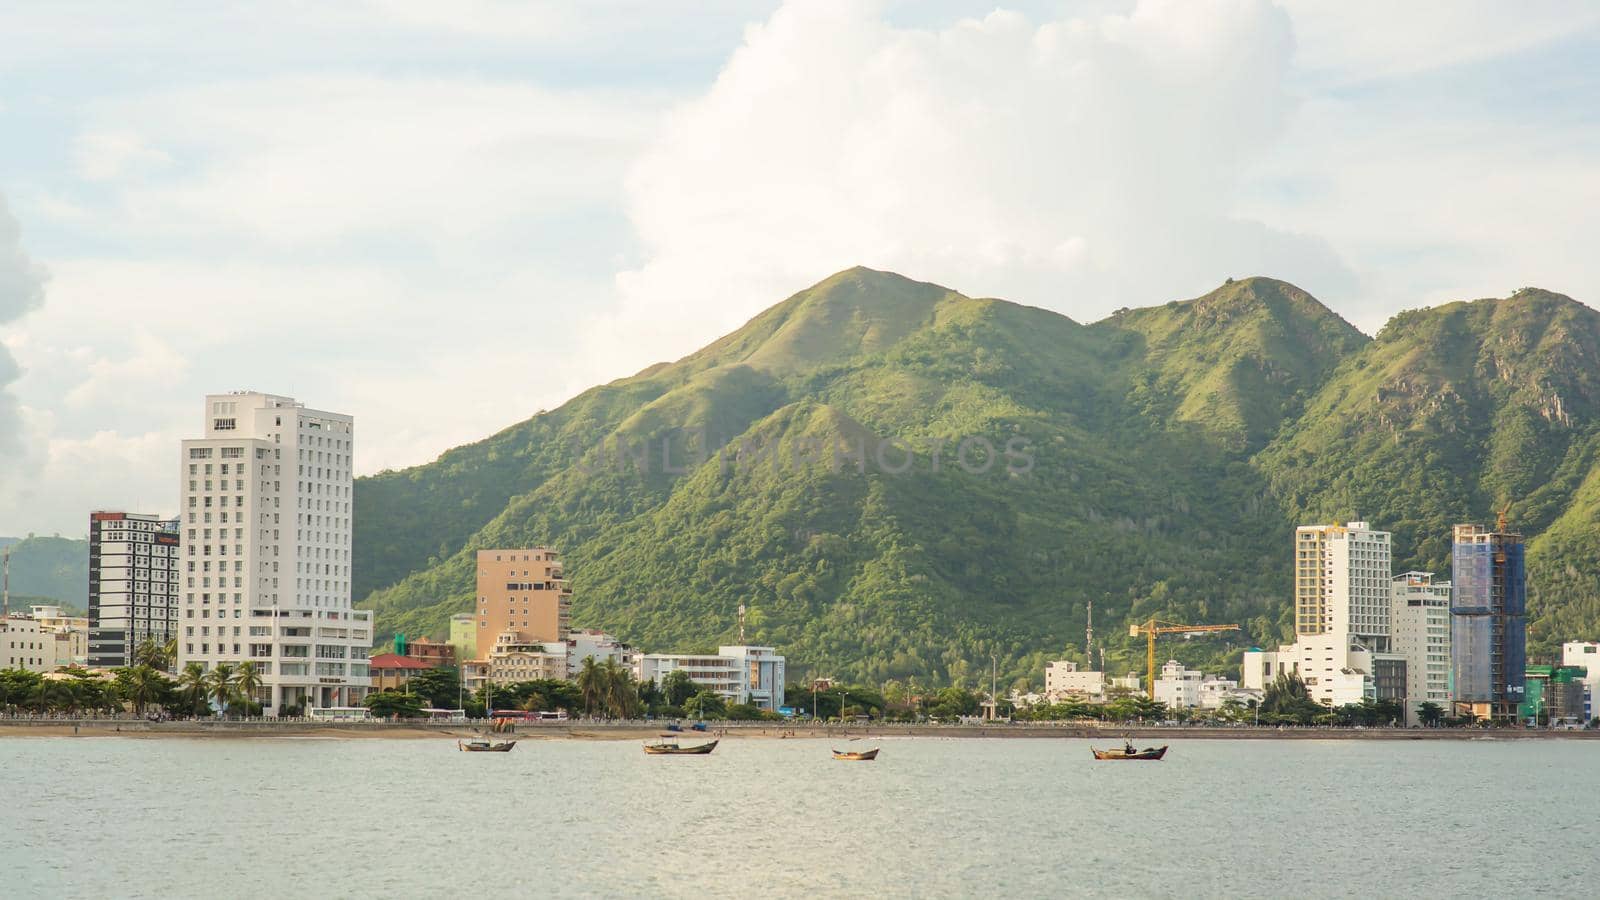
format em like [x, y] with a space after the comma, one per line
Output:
[523, 592]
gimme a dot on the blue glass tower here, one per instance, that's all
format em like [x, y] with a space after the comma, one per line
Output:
[1488, 621]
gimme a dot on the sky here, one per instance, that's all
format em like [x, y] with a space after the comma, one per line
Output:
[444, 218]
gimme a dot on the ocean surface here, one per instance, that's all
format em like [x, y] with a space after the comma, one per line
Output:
[175, 817]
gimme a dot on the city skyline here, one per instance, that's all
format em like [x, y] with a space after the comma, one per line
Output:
[227, 197]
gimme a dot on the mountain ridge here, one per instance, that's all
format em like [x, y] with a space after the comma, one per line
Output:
[1174, 448]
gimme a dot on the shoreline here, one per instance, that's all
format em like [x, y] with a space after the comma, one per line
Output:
[605, 731]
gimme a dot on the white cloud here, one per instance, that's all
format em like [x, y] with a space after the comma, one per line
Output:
[298, 162]
[1364, 40]
[1081, 164]
[102, 156]
[477, 211]
[21, 291]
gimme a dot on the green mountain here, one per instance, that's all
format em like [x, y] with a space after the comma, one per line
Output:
[49, 570]
[1158, 462]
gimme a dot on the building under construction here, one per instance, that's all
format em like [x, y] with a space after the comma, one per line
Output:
[1489, 629]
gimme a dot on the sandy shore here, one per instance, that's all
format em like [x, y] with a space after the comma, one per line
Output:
[600, 731]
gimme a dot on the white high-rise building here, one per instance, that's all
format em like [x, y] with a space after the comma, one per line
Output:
[1342, 583]
[1342, 607]
[265, 515]
[1420, 623]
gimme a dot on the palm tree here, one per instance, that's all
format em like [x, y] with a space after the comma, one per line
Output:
[615, 687]
[156, 656]
[220, 683]
[142, 686]
[247, 680]
[589, 685]
[192, 686]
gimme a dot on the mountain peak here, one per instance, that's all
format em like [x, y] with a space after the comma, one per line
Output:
[1238, 359]
[846, 315]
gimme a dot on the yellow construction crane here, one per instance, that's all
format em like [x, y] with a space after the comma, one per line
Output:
[1154, 627]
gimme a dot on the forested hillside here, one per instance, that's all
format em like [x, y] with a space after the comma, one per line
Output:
[51, 570]
[1161, 458]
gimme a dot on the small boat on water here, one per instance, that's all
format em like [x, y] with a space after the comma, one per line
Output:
[859, 755]
[479, 745]
[1127, 751]
[669, 746]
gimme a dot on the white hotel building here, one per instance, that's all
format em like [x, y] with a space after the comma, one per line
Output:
[740, 674]
[1421, 623]
[1343, 601]
[265, 519]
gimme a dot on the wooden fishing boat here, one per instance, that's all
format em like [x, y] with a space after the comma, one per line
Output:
[478, 745]
[1128, 752]
[861, 755]
[669, 746]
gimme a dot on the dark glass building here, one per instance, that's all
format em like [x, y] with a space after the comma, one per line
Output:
[1488, 621]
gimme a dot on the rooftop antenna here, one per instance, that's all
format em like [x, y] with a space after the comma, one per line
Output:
[1088, 637]
[741, 624]
[5, 603]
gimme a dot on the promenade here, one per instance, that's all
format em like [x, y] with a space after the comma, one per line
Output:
[640, 730]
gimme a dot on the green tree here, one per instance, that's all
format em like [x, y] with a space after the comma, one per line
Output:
[157, 655]
[1286, 700]
[193, 686]
[393, 704]
[678, 687]
[17, 687]
[1430, 714]
[247, 681]
[621, 697]
[220, 688]
[706, 705]
[440, 687]
[142, 685]
[591, 685]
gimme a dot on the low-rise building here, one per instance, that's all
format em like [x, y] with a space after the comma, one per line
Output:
[1178, 687]
[1585, 655]
[463, 636]
[1336, 669]
[598, 646]
[69, 634]
[1063, 681]
[1556, 692]
[438, 653]
[1215, 691]
[24, 646]
[391, 671]
[741, 674]
[514, 659]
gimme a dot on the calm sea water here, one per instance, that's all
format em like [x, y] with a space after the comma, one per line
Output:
[107, 817]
